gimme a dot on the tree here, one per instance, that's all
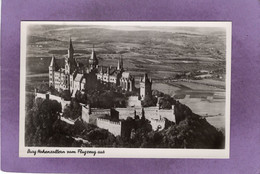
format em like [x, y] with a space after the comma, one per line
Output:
[73, 111]
[39, 121]
[65, 94]
[149, 100]
[166, 102]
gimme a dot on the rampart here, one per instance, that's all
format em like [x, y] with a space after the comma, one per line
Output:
[111, 126]
[154, 114]
[158, 124]
[89, 115]
[149, 113]
[133, 101]
[60, 100]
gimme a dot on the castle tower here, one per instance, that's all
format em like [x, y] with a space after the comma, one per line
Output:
[70, 66]
[120, 63]
[70, 63]
[145, 87]
[101, 70]
[52, 69]
[93, 59]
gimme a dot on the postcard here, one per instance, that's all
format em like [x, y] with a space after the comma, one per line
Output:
[125, 89]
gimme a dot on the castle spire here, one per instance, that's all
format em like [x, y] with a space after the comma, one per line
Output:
[53, 62]
[119, 64]
[71, 45]
[145, 77]
[70, 50]
[93, 58]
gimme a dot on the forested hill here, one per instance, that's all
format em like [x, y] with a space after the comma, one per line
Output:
[43, 128]
[192, 131]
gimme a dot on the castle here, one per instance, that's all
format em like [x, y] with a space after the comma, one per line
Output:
[113, 119]
[145, 87]
[76, 77]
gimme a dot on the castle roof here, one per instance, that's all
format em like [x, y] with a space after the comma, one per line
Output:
[71, 46]
[52, 61]
[112, 70]
[120, 63]
[146, 79]
[93, 58]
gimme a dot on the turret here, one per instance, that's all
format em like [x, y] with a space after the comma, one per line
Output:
[70, 50]
[93, 59]
[53, 62]
[52, 69]
[145, 87]
[120, 63]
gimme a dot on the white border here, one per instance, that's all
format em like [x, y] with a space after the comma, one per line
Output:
[128, 152]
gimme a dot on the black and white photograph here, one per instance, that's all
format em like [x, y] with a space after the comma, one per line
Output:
[125, 89]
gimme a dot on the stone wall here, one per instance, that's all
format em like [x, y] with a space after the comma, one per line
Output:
[149, 112]
[60, 100]
[154, 114]
[133, 101]
[169, 114]
[158, 124]
[89, 115]
[111, 126]
[85, 113]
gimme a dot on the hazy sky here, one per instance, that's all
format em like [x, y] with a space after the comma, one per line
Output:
[189, 27]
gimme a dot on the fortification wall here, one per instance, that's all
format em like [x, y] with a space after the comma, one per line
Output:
[67, 120]
[100, 111]
[53, 97]
[169, 114]
[133, 101]
[111, 126]
[157, 124]
[125, 112]
[40, 95]
[60, 100]
[154, 114]
[150, 112]
[85, 114]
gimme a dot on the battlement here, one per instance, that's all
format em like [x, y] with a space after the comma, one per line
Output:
[100, 111]
[158, 120]
[154, 114]
[157, 124]
[109, 121]
[112, 126]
